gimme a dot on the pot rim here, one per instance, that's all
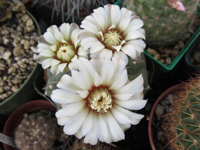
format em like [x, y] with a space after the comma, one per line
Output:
[170, 90]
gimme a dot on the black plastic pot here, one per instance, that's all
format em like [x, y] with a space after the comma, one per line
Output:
[189, 66]
[53, 17]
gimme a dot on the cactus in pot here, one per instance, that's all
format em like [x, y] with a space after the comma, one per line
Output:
[165, 21]
[39, 131]
[183, 123]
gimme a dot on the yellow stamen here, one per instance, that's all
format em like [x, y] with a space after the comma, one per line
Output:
[65, 52]
[112, 38]
[100, 100]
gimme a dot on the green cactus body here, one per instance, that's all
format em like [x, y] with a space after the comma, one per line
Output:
[184, 123]
[163, 25]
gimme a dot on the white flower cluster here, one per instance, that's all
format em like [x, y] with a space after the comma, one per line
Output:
[97, 98]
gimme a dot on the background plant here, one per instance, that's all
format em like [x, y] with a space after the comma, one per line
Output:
[163, 25]
[80, 8]
[184, 122]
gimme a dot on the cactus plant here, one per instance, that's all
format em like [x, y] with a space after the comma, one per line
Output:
[163, 24]
[183, 123]
[80, 8]
[38, 130]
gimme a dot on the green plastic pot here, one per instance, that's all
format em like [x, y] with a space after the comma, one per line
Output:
[26, 92]
[175, 61]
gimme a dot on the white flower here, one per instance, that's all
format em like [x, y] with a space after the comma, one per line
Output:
[110, 31]
[96, 100]
[59, 48]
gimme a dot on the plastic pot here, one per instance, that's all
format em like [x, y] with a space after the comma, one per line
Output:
[189, 66]
[16, 117]
[170, 90]
[175, 61]
[26, 92]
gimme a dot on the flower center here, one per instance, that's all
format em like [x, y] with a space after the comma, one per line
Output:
[100, 100]
[65, 52]
[112, 38]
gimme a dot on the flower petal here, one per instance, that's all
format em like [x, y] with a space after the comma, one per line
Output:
[115, 129]
[50, 38]
[86, 68]
[92, 136]
[134, 117]
[79, 134]
[95, 55]
[138, 44]
[107, 71]
[120, 81]
[115, 14]
[63, 120]
[96, 46]
[105, 53]
[132, 86]
[47, 63]
[132, 104]
[66, 83]
[129, 50]
[71, 109]
[119, 66]
[102, 128]
[80, 80]
[58, 35]
[54, 69]
[97, 79]
[62, 67]
[74, 125]
[99, 18]
[47, 53]
[134, 35]
[97, 65]
[120, 117]
[83, 93]
[88, 123]
[87, 42]
[123, 96]
[122, 56]
[134, 25]
[64, 97]
[90, 25]
[52, 29]
[124, 19]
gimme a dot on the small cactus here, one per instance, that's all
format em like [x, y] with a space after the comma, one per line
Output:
[184, 122]
[38, 131]
[80, 8]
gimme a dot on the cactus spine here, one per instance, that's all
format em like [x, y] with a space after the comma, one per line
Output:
[163, 25]
[184, 123]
